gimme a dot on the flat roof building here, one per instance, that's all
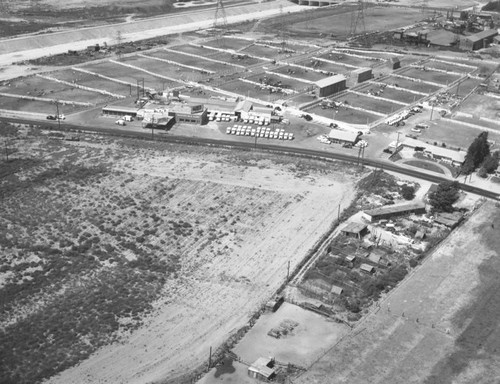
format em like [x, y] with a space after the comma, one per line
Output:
[330, 85]
[118, 110]
[262, 369]
[394, 210]
[338, 136]
[446, 155]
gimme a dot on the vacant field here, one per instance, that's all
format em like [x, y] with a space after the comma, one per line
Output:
[347, 115]
[453, 134]
[439, 326]
[482, 105]
[411, 85]
[136, 260]
[390, 93]
[229, 43]
[376, 19]
[369, 103]
[430, 75]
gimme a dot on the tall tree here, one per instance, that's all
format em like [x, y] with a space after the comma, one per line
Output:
[444, 197]
[477, 152]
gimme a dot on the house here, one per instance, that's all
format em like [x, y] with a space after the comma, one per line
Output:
[350, 258]
[374, 257]
[356, 230]
[262, 369]
[367, 268]
[394, 210]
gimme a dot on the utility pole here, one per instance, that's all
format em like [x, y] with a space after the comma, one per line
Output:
[57, 115]
[288, 272]
[210, 359]
[432, 111]
[338, 214]
[397, 141]
[6, 151]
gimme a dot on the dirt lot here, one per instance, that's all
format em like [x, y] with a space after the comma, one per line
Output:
[347, 115]
[411, 85]
[208, 233]
[482, 105]
[439, 326]
[369, 103]
[391, 93]
[430, 75]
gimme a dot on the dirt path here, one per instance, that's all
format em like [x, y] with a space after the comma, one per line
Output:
[221, 284]
[421, 321]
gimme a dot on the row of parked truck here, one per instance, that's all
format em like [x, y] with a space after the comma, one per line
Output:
[257, 120]
[262, 132]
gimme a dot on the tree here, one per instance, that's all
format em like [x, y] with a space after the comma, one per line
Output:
[443, 198]
[408, 192]
[490, 163]
[477, 152]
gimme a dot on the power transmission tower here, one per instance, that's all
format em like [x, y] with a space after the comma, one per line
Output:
[358, 19]
[425, 6]
[283, 37]
[220, 21]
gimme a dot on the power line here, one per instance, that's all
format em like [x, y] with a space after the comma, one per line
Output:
[220, 21]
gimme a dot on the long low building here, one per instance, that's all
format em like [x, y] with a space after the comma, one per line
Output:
[394, 210]
[347, 137]
[119, 110]
[477, 41]
[435, 152]
[330, 85]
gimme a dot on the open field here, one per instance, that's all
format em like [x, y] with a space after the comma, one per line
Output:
[218, 55]
[229, 43]
[369, 103]
[453, 134]
[430, 75]
[338, 24]
[448, 66]
[411, 85]
[186, 245]
[439, 326]
[347, 115]
[482, 105]
[261, 51]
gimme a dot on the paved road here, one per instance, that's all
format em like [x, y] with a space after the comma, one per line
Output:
[300, 152]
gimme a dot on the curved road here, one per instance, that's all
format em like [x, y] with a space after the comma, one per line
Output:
[301, 152]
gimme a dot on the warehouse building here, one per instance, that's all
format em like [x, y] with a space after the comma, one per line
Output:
[394, 210]
[362, 74]
[479, 40]
[343, 137]
[118, 111]
[395, 63]
[330, 85]
[446, 155]
[188, 113]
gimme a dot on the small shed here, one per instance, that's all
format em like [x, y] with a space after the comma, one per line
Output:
[262, 369]
[395, 63]
[367, 268]
[357, 230]
[274, 304]
[374, 257]
[350, 258]
[450, 220]
[337, 290]
[420, 234]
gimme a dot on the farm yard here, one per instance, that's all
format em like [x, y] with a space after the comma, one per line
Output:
[415, 86]
[440, 326]
[155, 235]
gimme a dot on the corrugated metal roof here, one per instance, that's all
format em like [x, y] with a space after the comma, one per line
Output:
[330, 81]
[395, 209]
[337, 134]
[482, 35]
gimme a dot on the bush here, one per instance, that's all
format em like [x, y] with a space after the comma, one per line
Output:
[407, 192]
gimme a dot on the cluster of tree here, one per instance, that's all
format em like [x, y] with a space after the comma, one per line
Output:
[444, 197]
[479, 156]
[407, 192]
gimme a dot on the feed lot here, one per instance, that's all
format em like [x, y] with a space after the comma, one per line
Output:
[346, 114]
[39, 87]
[369, 103]
[300, 73]
[243, 88]
[32, 106]
[482, 105]
[411, 85]
[325, 66]
[217, 55]
[287, 83]
[448, 66]
[183, 59]
[349, 60]
[397, 94]
[228, 43]
[211, 232]
[430, 75]
[438, 326]
[127, 74]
